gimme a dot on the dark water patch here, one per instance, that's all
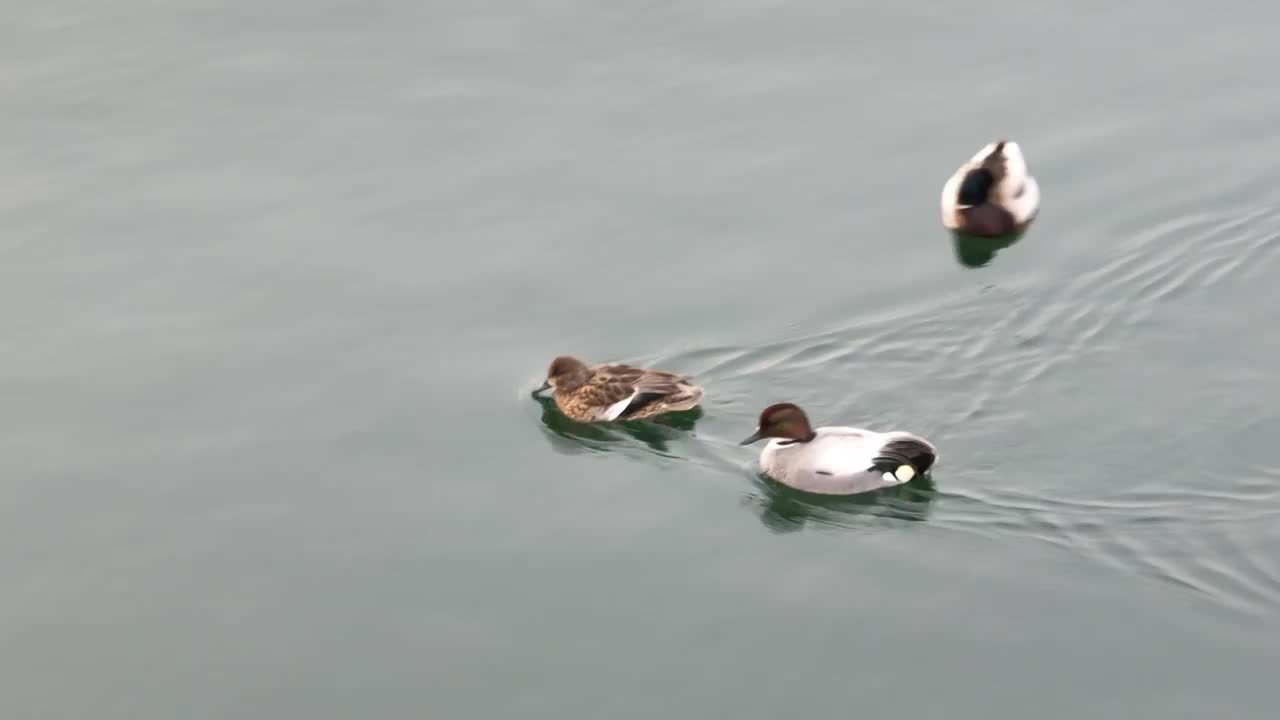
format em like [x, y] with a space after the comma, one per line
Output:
[657, 435]
[973, 251]
[784, 509]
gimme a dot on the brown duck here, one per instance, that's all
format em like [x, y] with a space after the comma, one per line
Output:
[616, 392]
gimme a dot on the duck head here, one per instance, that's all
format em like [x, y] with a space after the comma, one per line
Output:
[782, 420]
[566, 373]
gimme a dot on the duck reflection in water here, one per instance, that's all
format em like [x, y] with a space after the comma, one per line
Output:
[975, 251]
[784, 509]
[571, 437]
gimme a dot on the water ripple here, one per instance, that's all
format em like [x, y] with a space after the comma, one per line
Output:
[945, 361]
[977, 351]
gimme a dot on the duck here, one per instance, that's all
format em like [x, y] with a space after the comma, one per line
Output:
[836, 460]
[606, 393]
[992, 194]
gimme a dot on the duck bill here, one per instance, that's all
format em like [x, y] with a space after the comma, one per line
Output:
[755, 437]
[545, 387]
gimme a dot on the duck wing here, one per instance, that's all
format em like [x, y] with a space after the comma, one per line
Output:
[629, 389]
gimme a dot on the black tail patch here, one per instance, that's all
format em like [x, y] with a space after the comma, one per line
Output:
[904, 451]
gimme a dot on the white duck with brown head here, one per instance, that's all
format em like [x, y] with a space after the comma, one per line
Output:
[836, 460]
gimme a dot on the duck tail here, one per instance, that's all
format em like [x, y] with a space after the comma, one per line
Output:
[651, 402]
[687, 398]
[914, 452]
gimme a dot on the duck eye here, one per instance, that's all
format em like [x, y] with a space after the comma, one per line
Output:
[1021, 189]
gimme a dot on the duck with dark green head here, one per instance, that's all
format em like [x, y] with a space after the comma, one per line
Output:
[991, 195]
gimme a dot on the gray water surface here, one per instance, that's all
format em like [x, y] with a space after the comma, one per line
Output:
[278, 279]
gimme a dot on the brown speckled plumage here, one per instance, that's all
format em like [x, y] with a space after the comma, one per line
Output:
[587, 394]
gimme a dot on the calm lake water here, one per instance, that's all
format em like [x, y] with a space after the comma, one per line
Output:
[278, 278]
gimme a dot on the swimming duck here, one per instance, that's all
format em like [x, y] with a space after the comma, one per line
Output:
[836, 460]
[616, 392]
[992, 194]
